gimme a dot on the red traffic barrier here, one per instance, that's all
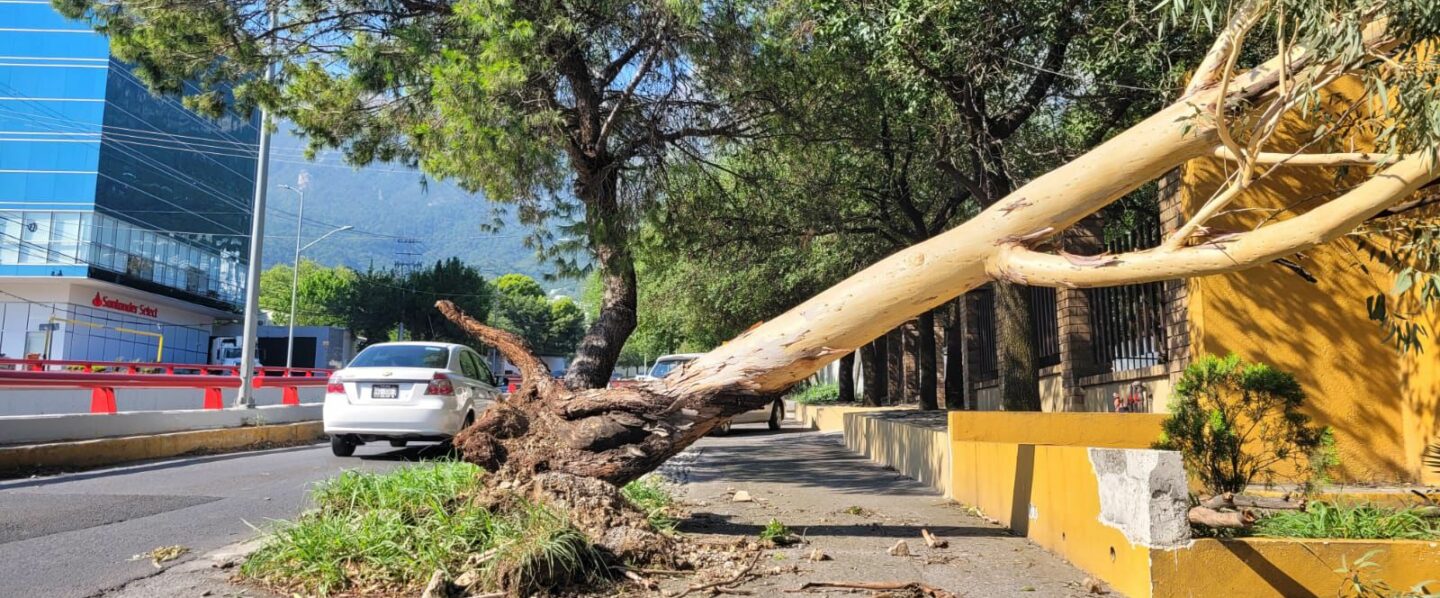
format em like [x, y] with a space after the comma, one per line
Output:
[102, 400]
[102, 385]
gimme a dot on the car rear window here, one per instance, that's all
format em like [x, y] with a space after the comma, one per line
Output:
[402, 356]
[663, 367]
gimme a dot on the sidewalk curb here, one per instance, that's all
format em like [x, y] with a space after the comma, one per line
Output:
[124, 449]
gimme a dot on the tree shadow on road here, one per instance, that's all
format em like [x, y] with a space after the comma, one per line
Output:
[440, 451]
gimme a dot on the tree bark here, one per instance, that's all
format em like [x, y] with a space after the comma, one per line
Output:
[600, 348]
[894, 367]
[1220, 519]
[910, 335]
[875, 379]
[955, 357]
[925, 341]
[1015, 342]
[847, 378]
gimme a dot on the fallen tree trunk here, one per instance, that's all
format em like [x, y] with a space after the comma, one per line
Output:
[1233, 501]
[617, 435]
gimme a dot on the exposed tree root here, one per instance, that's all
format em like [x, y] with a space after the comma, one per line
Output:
[614, 435]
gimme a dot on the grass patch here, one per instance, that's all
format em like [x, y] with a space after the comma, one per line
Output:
[1357, 522]
[653, 496]
[816, 394]
[388, 532]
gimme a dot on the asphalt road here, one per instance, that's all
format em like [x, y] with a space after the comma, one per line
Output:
[74, 535]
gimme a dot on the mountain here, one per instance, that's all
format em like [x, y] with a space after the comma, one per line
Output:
[398, 215]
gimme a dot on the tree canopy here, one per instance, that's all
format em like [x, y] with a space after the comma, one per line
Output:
[559, 108]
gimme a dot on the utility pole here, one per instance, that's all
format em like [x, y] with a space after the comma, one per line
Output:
[407, 260]
[248, 341]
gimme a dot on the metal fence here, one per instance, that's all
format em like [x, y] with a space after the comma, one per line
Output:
[987, 361]
[1045, 315]
[1046, 331]
[1128, 322]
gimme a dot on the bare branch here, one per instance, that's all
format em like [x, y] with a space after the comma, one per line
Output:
[1296, 159]
[1245, 17]
[1237, 252]
[640, 73]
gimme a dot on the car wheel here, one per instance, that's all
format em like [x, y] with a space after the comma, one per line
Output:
[399, 443]
[777, 413]
[341, 446]
[721, 430]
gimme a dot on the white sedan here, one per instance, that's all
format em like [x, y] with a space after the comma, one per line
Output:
[406, 391]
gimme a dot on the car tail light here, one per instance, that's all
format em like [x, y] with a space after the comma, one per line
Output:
[440, 385]
[334, 386]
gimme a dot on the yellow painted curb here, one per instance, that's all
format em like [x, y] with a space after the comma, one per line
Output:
[109, 451]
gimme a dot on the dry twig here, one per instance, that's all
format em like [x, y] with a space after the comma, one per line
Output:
[924, 589]
[719, 586]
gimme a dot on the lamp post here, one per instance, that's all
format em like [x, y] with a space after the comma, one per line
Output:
[295, 271]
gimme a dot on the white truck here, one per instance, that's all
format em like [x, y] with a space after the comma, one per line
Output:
[225, 350]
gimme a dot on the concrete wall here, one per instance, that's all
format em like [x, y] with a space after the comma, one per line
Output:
[55, 428]
[17, 402]
[914, 443]
[830, 418]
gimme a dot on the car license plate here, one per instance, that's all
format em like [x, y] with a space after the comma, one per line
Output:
[384, 391]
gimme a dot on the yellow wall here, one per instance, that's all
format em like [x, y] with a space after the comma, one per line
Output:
[1421, 374]
[1050, 492]
[1004, 462]
[1266, 568]
[1382, 405]
[1002, 480]
[1111, 430]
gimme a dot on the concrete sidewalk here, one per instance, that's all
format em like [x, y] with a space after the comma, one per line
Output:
[853, 511]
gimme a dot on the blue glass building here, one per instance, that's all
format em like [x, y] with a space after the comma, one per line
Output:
[124, 218]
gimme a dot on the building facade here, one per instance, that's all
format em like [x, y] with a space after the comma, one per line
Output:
[124, 217]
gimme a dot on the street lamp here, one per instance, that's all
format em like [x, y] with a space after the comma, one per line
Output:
[295, 272]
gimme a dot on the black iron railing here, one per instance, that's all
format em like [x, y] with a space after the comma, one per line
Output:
[1128, 322]
[1047, 325]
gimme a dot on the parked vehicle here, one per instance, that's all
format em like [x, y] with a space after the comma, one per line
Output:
[406, 391]
[226, 350]
[665, 364]
[772, 414]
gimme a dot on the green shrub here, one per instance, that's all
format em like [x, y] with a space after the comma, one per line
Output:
[1235, 422]
[816, 394]
[1358, 522]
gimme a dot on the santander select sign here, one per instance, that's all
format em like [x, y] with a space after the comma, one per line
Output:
[128, 307]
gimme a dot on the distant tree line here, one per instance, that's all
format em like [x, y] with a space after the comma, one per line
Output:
[380, 305]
